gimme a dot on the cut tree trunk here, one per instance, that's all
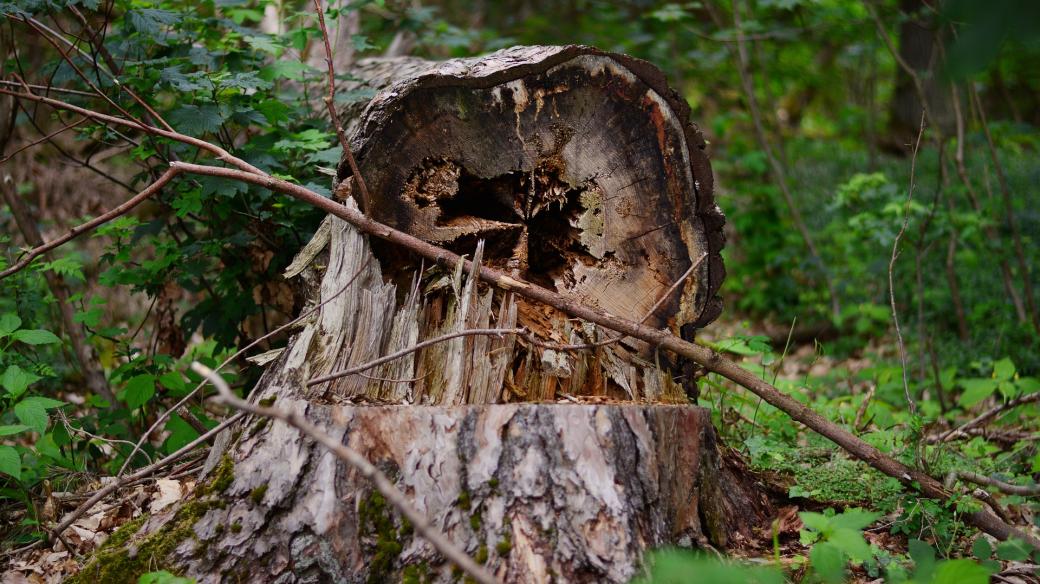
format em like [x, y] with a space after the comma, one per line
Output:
[577, 169]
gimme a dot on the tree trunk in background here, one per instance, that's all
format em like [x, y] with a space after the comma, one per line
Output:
[919, 38]
[577, 169]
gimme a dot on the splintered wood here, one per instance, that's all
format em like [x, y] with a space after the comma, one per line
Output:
[572, 168]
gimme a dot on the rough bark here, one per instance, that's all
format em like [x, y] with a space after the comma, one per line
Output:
[537, 492]
[548, 161]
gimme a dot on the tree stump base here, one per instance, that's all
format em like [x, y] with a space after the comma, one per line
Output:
[536, 492]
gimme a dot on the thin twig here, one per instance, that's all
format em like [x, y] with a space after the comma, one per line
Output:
[162, 418]
[219, 152]
[1009, 211]
[43, 139]
[892, 266]
[78, 230]
[330, 104]
[393, 495]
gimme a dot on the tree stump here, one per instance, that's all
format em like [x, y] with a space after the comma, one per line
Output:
[573, 168]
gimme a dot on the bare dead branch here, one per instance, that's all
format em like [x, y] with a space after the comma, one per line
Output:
[46, 138]
[393, 495]
[892, 266]
[986, 416]
[981, 479]
[75, 232]
[220, 153]
[330, 103]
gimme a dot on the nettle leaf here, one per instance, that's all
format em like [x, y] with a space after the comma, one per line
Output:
[10, 462]
[68, 266]
[361, 43]
[196, 120]
[851, 542]
[247, 82]
[174, 382]
[9, 323]
[15, 380]
[976, 390]
[186, 82]
[150, 21]
[35, 337]
[13, 429]
[816, 521]
[32, 411]
[828, 562]
[1028, 384]
[90, 317]
[330, 156]
[291, 70]
[266, 43]
[962, 571]
[311, 140]
[138, 391]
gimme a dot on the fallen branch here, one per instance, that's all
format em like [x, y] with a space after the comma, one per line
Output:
[985, 417]
[981, 479]
[348, 455]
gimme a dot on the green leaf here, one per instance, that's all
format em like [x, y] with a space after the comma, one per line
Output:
[16, 380]
[1028, 385]
[196, 120]
[828, 562]
[1004, 369]
[961, 571]
[9, 323]
[138, 391]
[851, 542]
[174, 382]
[12, 429]
[181, 433]
[1013, 550]
[854, 519]
[68, 266]
[10, 462]
[981, 548]
[924, 559]
[32, 413]
[35, 337]
[976, 390]
[816, 521]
